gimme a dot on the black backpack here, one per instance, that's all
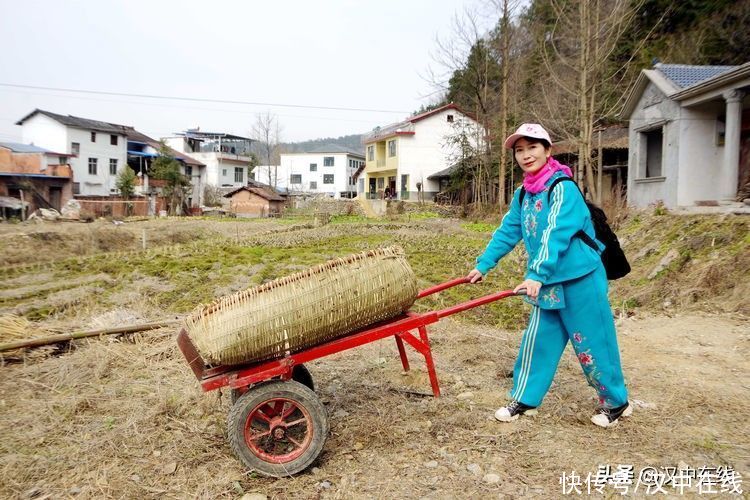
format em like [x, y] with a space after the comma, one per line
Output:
[612, 257]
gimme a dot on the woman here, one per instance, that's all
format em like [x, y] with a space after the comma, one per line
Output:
[565, 282]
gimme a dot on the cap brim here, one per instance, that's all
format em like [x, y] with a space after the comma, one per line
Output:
[510, 141]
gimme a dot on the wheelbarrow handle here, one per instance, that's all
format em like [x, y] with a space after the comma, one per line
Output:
[442, 286]
[451, 284]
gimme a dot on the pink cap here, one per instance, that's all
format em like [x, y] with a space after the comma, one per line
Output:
[527, 130]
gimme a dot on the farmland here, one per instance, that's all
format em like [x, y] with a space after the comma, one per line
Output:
[124, 417]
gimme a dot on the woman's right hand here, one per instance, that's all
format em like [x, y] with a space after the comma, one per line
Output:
[474, 276]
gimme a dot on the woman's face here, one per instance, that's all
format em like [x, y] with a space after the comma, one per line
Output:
[531, 156]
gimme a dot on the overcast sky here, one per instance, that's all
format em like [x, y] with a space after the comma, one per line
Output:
[366, 54]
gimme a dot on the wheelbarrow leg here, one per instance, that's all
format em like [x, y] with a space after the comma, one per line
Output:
[402, 353]
[428, 360]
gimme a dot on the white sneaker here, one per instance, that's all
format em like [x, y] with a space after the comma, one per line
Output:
[513, 411]
[608, 417]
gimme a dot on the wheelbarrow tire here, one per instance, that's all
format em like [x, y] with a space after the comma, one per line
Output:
[300, 373]
[277, 428]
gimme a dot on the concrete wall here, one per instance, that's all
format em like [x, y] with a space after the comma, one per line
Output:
[700, 158]
[653, 110]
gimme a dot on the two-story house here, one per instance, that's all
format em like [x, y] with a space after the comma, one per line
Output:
[327, 170]
[96, 149]
[401, 157]
[226, 156]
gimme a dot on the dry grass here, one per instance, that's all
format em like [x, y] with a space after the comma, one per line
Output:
[124, 418]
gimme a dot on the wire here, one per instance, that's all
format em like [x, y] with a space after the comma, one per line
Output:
[197, 99]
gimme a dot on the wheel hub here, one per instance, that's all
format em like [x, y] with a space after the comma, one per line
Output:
[279, 432]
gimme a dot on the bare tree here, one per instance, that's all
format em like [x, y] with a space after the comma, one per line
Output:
[579, 78]
[267, 134]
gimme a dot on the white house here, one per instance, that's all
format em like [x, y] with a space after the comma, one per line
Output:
[402, 156]
[98, 150]
[226, 156]
[327, 170]
[689, 135]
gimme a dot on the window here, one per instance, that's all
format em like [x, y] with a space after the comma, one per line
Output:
[223, 172]
[76, 188]
[92, 166]
[450, 118]
[239, 174]
[327, 178]
[313, 184]
[188, 170]
[392, 148]
[93, 136]
[404, 182]
[295, 179]
[381, 182]
[351, 180]
[113, 166]
[370, 153]
[113, 140]
[654, 141]
[313, 167]
[75, 148]
[328, 161]
[351, 163]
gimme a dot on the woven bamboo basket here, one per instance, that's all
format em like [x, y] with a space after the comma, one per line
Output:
[304, 309]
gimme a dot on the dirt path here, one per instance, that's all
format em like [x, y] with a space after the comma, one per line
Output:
[126, 419]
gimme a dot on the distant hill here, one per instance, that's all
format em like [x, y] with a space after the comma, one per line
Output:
[351, 142]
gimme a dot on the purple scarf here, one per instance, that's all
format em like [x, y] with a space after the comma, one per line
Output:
[537, 182]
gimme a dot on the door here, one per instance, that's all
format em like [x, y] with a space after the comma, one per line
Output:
[55, 197]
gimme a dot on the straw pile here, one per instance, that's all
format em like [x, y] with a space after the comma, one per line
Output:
[304, 309]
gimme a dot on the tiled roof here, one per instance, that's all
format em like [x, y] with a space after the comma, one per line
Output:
[684, 75]
[263, 193]
[17, 147]
[77, 122]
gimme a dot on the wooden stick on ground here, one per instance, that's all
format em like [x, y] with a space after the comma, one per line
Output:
[64, 337]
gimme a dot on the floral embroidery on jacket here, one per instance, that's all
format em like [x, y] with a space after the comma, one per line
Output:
[538, 205]
[551, 297]
[577, 338]
[530, 224]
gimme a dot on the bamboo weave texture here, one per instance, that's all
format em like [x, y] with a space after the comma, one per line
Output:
[304, 309]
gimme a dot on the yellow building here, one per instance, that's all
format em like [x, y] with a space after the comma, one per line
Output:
[400, 158]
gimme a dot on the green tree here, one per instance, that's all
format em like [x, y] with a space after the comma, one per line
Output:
[177, 186]
[126, 182]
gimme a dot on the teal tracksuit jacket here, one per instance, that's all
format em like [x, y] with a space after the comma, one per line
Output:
[572, 304]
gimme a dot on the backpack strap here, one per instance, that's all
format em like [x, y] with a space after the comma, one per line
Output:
[581, 233]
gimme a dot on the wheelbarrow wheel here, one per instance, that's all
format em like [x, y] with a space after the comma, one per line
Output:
[300, 373]
[278, 428]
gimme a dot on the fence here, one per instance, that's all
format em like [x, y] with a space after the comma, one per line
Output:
[119, 207]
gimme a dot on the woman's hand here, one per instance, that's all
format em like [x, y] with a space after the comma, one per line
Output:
[532, 288]
[474, 276]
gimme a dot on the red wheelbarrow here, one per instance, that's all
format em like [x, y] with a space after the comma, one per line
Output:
[277, 425]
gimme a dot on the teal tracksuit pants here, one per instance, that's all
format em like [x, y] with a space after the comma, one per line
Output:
[586, 321]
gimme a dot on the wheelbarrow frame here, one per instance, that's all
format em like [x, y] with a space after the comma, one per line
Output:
[241, 376]
[259, 393]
